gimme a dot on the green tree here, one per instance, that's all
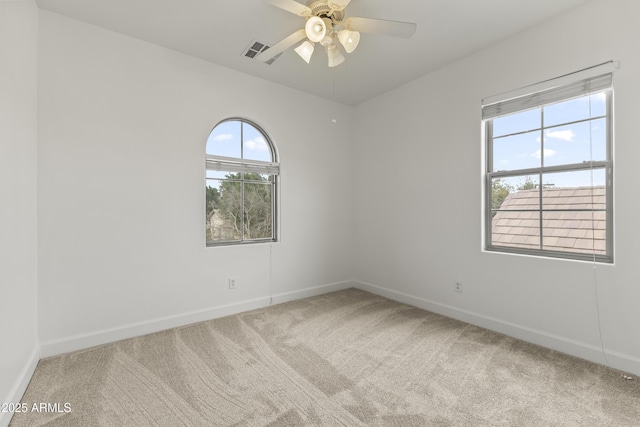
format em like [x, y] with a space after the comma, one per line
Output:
[245, 205]
[499, 192]
[528, 184]
[213, 199]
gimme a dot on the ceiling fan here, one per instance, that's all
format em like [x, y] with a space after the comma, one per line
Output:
[326, 24]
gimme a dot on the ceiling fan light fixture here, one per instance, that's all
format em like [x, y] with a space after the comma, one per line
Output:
[305, 50]
[326, 24]
[349, 40]
[315, 29]
[327, 41]
[335, 56]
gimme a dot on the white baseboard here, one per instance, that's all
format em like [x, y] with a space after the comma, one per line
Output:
[312, 292]
[623, 362]
[16, 393]
[92, 339]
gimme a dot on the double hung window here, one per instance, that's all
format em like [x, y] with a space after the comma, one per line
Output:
[549, 171]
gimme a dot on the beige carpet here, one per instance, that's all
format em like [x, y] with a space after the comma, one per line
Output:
[347, 358]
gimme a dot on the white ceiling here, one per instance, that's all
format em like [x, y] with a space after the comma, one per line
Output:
[219, 31]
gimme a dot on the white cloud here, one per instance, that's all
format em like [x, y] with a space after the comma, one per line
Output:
[223, 137]
[258, 144]
[565, 135]
[547, 153]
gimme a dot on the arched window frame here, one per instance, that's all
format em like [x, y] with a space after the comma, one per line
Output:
[241, 172]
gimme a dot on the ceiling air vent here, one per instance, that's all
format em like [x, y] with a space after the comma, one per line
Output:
[255, 48]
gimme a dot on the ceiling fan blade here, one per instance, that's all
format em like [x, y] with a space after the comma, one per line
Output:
[339, 4]
[282, 45]
[291, 6]
[381, 26]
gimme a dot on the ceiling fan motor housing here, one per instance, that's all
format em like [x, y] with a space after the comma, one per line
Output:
[322, 9]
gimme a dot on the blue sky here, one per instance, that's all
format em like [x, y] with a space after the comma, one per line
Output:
[229, 139]
[563, 143]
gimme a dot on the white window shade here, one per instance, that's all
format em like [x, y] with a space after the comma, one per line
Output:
[231, 164]
[591, 80]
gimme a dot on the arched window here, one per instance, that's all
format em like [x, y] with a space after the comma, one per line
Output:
[242, 171]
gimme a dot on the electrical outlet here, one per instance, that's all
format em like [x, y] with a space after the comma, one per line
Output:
[458, 287]
[232, 283]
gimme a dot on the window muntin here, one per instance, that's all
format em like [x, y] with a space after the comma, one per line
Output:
[240, 184]
[549, 176]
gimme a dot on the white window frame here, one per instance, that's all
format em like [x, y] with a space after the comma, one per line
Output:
[592, 80]
[242, 165]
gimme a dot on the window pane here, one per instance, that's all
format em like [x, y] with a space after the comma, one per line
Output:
[517, 152]
[572, 110]
[520, 192]
[257, 177]
[214, 183]
[237, 176]
[574, 190]
[581, 232]
[516, 229]
[576, 143]
[518, 122]
[224, 140]
[254, 146]
[257, 210]
[578, 222]
[216, 174]
[225, 221]
[212, 202]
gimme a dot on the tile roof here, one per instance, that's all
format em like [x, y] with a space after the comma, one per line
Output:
[564, 229]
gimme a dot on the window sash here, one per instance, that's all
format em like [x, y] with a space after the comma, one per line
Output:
[549, 169]
[242, 238]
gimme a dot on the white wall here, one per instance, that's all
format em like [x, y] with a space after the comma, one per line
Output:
[419, 226]
[123, 127]
[18, 161]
